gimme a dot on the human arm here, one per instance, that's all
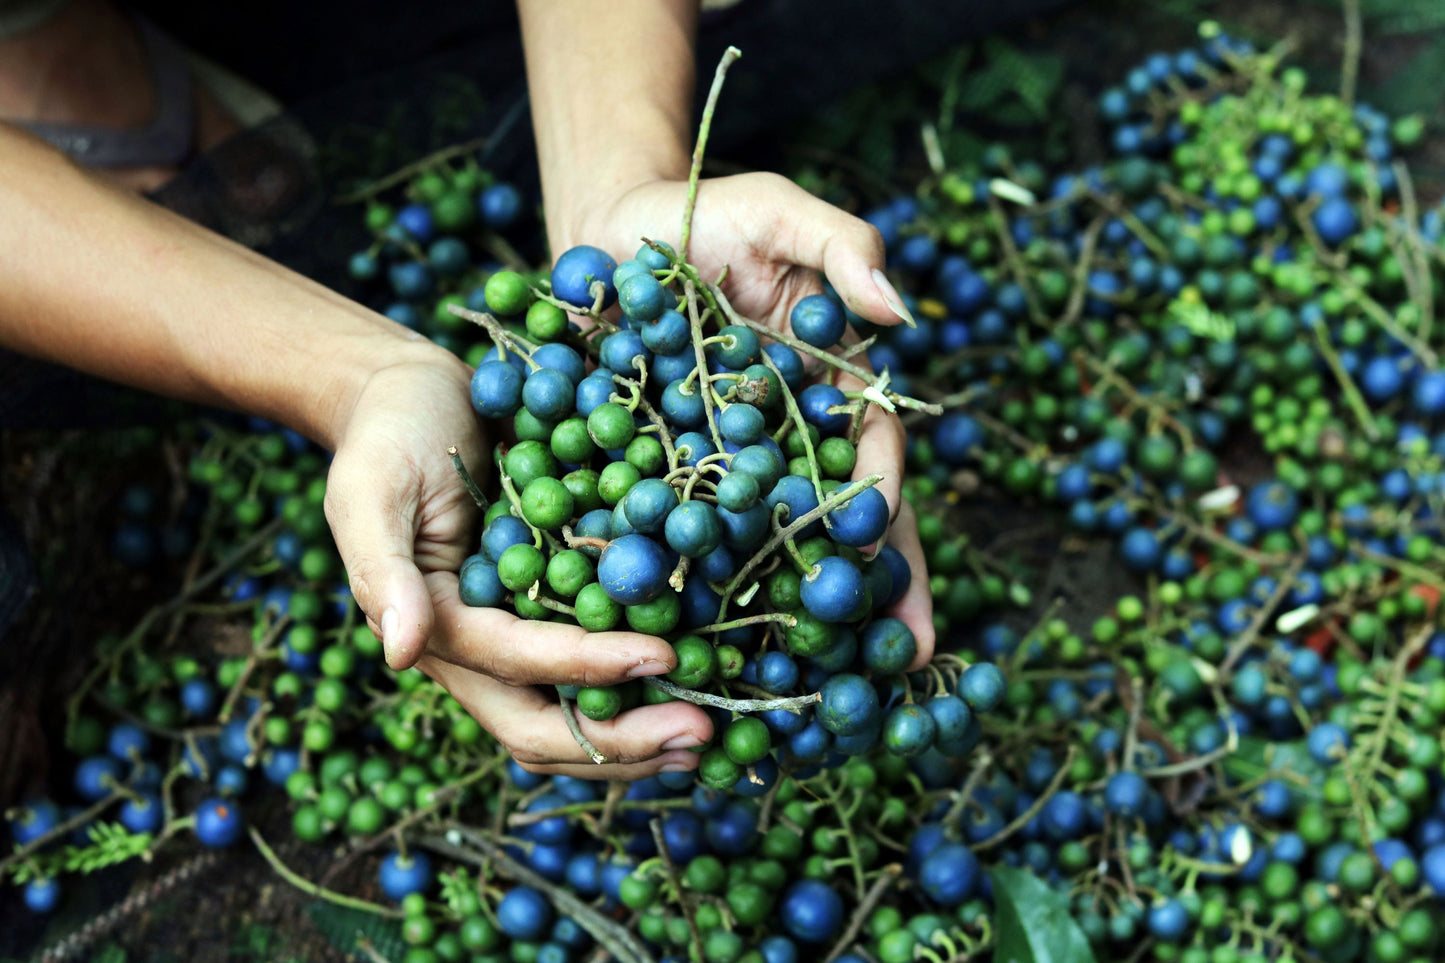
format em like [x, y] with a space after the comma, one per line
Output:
[106, 282]
[611, 95]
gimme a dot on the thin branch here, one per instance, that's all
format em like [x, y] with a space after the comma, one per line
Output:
[729, 55]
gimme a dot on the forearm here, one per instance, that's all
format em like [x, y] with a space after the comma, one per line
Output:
[108, 283]
[611, 89]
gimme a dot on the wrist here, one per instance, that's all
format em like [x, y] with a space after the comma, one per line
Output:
[579, 209]
[325, 411]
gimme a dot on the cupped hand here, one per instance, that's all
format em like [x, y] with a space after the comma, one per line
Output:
[777, 242]
[404, 523]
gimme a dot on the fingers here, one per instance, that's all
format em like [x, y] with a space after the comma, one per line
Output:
[529, 722]
[915, 609]
[522, 652]
[881, 452]
[374, 523]
[847, 249]
[882, 444]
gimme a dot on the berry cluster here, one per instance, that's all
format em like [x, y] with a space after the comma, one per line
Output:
[689, 484]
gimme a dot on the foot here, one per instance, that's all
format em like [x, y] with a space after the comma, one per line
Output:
[87, 66]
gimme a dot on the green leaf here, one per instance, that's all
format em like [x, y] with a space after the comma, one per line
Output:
[457, 887]
[1259, 758]
[110, 953]
[1033, 921]
[983, 88]
[1033, 78]
[343, 927]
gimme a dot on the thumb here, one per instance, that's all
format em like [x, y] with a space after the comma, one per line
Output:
[847, 249]
[375, 531]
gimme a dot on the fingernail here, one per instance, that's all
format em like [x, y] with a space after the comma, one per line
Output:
[676, 767]
[891, 298]
[685, 741]
[389, 620]
[646, 668]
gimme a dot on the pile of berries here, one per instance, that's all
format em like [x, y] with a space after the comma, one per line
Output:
[1210, 364]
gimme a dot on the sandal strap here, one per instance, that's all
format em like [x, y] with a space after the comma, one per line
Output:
[168, 141]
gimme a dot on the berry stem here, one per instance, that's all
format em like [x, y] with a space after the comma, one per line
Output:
[313, 889]
[561, 608]
[1263, 615]
[483, 852]
[999, 220]
[258, 652]
[1350, 61]
[795, 415]
[835, 498]
[569, 714]
[965, 792]
[690, 295]
[1074, 307]
[792, 703]
[675, 879]
[704, 128]
[518, 818]
[1038, 804]
[582, 541]
[473, 488]
[60, 829]
[866, 906]
[503, 338]
[780, 617]
[403, 174]
[797, 344]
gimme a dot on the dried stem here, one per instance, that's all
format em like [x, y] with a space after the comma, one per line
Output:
[676, 882]
[791, 703]
[569, 713]
[473, 488]
[870, 902]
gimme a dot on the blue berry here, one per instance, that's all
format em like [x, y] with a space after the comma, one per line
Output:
[849, 706]
[400, 876]
[633, 569]
[834, 590]
[1335, 221]
[218, 823]
[950, 874]
[819, 320]
[909, 731]
[575, 272]
[1125, 794]
[496, 390]
[1168, 920]
[1064, 816]
[859, 521]
[499, 206]
[811, 911]
[982, 686]
[1327, 743]
[42, 895]
[692, 529]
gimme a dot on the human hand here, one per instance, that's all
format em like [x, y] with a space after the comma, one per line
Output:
[775, 238]
[403, 523]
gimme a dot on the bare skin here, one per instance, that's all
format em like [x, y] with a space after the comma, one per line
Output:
[97, 278]
[87, 66]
